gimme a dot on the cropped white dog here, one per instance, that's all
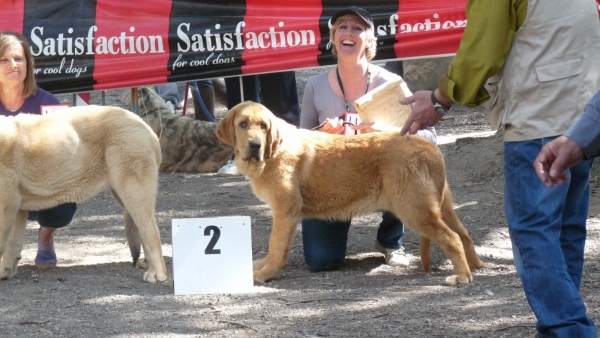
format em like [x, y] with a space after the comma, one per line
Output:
[73, 155]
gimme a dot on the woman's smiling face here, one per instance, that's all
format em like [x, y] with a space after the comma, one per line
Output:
[350, 35]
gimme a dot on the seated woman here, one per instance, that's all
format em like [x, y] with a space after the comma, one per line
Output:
[19, 94]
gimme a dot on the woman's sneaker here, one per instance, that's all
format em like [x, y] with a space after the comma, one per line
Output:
[229, 169]
[46, 257]
[393, 257]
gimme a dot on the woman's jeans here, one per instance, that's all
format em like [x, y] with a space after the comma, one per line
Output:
[547, 228]
[325, 241]
[57, 217]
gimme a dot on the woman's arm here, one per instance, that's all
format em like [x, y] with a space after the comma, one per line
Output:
[309, 117]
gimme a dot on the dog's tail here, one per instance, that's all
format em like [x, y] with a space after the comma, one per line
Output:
[425, 249]
[133, 237]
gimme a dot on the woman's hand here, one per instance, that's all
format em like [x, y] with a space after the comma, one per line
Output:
[333, 126]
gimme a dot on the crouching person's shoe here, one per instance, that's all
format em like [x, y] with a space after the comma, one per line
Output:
[46, 257]
[393, 257]
[229, 169]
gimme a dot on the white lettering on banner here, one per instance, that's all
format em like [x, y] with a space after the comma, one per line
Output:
[219, 60]
[428, 25]
[58, 70]
[254, 40]
[75, 70]
[210, 40]
[122, 44]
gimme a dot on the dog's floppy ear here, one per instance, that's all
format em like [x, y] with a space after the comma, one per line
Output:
[274, 138]
[226, 128]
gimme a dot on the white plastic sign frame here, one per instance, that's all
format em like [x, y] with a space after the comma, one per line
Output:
[212, 255]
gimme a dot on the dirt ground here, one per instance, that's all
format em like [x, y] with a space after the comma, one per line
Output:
[94, 291]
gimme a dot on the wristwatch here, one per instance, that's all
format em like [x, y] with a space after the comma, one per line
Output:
[440, 108]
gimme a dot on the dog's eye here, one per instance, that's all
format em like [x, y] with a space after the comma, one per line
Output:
[263, 126]
[243, 124]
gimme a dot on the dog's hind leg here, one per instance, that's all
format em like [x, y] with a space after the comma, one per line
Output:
[422, 214]
[280, 243]
[10, 249]
[133, 177]
[452, 220]
[140, 206]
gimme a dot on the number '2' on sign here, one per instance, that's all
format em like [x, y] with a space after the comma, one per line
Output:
[212, 255]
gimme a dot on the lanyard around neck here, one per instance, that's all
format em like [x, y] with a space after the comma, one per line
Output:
[342, 86]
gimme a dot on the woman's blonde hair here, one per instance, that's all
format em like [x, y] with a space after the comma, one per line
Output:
[371, 49]
[8, 39]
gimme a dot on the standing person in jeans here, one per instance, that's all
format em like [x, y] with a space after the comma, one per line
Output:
[20, 94]
[546, 58]
[276, 91]
[326, 97]
[173, 93]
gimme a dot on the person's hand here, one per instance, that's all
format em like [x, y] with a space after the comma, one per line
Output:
[423, 115]
[554, 158]
[333, 126]
[371, 127]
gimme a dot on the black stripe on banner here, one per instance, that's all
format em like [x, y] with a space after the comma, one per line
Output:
[380, 11]
[57, 31]
[202, 39]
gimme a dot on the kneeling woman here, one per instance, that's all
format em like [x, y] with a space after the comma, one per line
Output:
[330, 95]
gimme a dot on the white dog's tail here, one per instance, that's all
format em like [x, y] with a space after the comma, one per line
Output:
[133, 237]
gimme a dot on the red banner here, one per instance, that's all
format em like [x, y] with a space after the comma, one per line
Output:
[85, 45]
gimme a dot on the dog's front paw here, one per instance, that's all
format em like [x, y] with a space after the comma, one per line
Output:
[478, 264]
[458, 279]
[260, 277]
[265, 274]
[142, 263]
[153, 277]
[259, 264]
[7, 272]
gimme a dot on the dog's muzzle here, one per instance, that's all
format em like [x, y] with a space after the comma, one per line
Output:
[254, 151]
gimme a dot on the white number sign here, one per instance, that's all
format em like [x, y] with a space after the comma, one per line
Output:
[212, 255]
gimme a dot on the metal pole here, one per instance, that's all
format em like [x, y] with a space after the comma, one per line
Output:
[185, 100]
[241, 89]
[134, 100]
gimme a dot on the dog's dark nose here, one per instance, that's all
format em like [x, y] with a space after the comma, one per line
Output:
[254, 145]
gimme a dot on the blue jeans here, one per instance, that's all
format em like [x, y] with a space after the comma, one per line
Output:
[57, 217]
[172, 91]
[547, 228]
[325, 242]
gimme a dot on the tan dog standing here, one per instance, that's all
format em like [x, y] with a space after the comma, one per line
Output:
[72, 156]
[290, 170]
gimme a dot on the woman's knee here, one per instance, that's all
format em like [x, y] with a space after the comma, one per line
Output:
[324, 243]
[57, 217]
